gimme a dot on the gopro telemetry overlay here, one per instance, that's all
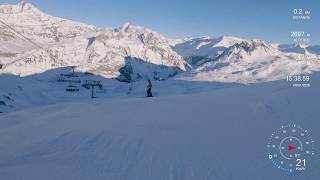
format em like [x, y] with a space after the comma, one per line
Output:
[159, 90]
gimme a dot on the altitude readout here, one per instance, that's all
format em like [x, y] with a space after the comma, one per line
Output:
[300, 36]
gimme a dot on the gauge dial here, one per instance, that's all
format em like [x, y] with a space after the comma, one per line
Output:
[290, 147]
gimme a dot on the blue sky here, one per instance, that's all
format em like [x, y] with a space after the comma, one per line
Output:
[263, 19]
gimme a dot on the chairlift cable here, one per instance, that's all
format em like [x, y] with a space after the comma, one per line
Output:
[29, 40]
[25, 39]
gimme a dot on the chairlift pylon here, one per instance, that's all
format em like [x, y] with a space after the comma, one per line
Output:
[92, 84]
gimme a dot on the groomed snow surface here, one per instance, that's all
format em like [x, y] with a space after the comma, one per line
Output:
[216, 134]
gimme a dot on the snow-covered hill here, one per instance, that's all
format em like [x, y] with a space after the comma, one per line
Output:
[219, 134]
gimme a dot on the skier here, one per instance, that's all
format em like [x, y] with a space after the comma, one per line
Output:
[149, 86]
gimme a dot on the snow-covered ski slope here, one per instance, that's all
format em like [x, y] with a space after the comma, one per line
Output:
[215, 135]
[17, 93]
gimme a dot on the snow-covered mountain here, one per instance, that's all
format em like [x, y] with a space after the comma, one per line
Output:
[205, 46]
[49, 42]
[197, 51]
[25, 22]
[255, 61]
[135, 50]
[300, 48]
[248, 51]
[34, 42]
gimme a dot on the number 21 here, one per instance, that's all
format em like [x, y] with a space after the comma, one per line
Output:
[299, 162]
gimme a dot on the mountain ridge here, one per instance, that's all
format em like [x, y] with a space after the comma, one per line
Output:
[65, 43]
[38, 42]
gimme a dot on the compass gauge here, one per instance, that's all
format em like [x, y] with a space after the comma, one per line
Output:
[290, 147]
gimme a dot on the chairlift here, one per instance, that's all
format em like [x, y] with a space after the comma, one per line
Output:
[91, 84]
[88, 83]
[72, 88]
[68, 78]
[71, 77]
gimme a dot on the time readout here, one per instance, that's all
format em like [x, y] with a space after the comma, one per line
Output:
[298, 78]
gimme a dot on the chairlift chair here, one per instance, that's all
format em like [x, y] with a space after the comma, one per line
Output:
[72, 88]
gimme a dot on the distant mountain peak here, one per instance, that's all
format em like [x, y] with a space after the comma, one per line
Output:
[204, 38]
[130, 28]
[294, 48]
[227, 41]
[125, 26]
[300, 45]
[206, 46]
[246, 50]
[252, 45]
[225, 37]
[18, 8]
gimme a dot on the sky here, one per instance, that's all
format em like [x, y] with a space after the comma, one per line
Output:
[270, 20]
